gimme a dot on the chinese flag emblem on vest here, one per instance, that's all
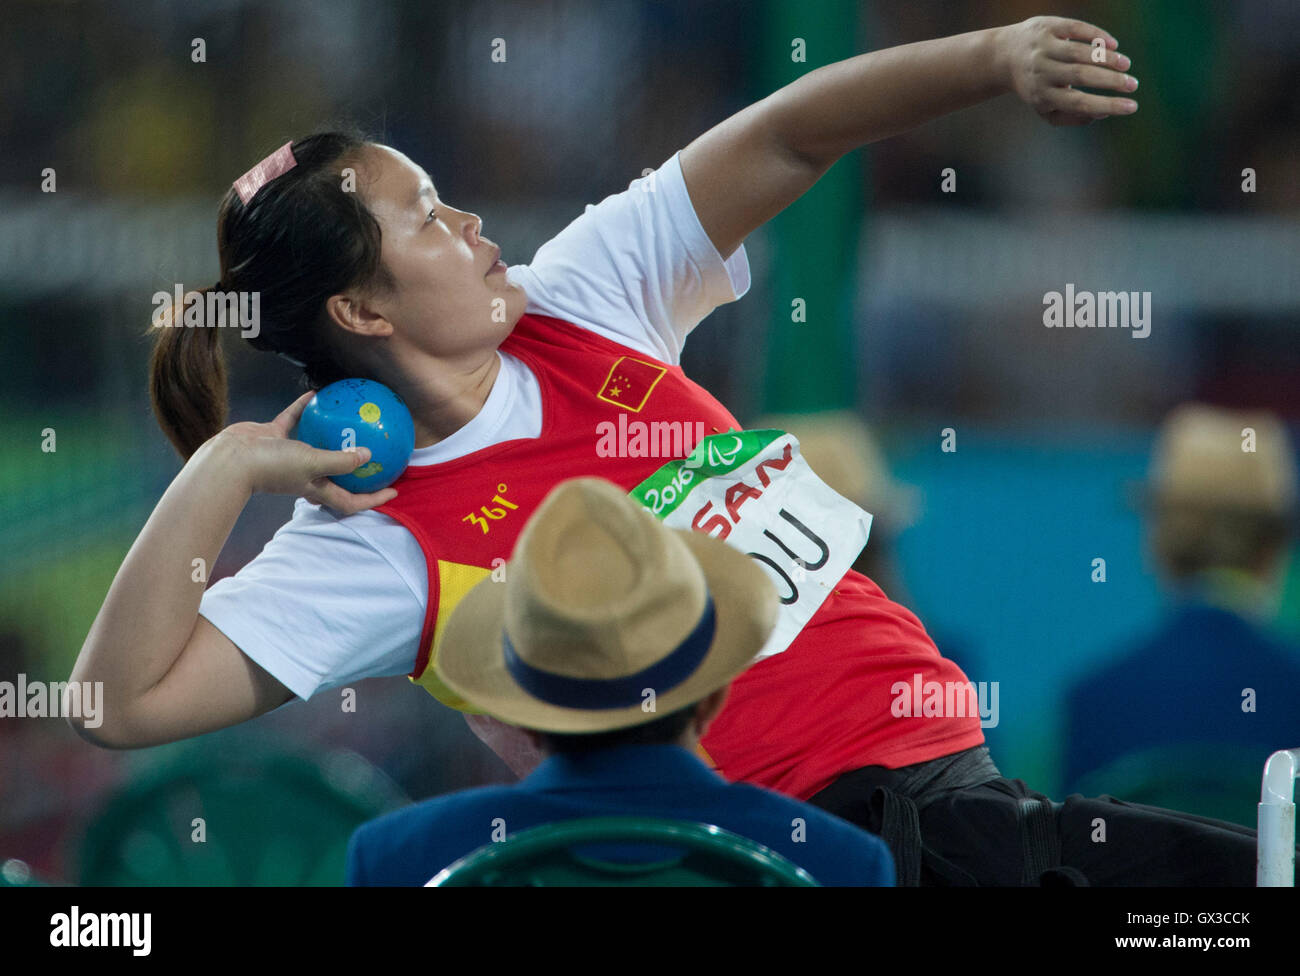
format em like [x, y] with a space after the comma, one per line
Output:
[630, 381]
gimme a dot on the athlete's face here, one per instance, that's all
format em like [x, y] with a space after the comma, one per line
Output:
[451, 297]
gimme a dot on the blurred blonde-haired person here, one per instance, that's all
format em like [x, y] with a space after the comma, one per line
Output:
[1212, 683]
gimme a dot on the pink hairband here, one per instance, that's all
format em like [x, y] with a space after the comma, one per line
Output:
[276, 164]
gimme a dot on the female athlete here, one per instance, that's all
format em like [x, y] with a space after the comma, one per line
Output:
[508, 373]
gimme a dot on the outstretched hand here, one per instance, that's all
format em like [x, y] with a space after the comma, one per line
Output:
[1048, 59]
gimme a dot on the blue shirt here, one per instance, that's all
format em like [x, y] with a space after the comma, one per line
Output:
[1184, 685]
[410, 846]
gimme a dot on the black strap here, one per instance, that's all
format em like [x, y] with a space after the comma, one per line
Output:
[889, 803]
[900, 828]
[1040, 842]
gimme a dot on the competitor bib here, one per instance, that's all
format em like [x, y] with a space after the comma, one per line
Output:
[754, 490]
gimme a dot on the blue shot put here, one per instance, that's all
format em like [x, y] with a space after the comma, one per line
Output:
[361, 413]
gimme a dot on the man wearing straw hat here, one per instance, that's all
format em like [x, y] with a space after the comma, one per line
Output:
[1220, 505]
[612, 640]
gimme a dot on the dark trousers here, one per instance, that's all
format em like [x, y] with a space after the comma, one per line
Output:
[958, 821]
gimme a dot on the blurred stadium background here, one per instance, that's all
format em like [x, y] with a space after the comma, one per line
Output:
[924, 312]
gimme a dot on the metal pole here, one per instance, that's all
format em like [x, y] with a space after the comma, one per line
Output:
[1275, 867]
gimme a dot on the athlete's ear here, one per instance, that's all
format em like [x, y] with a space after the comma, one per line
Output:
[356, 314]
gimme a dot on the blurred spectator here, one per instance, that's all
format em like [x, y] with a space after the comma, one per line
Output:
[1220, 506]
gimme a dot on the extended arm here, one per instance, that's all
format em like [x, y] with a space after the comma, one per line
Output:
[750, 167]
[166, 672]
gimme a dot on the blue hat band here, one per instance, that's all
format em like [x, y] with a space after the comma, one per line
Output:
[600, 693]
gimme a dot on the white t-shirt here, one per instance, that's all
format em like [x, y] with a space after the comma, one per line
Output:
[332, 599]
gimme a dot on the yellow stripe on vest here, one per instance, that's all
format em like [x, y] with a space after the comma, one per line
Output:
[454, 581]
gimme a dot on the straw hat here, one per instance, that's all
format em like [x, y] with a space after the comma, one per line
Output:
[601, 602]
[1200, 460]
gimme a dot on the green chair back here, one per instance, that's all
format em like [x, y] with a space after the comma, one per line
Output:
[267, 819]
[548, 856]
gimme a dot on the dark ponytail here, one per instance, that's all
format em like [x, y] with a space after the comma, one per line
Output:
[187, 382]
[301, 238]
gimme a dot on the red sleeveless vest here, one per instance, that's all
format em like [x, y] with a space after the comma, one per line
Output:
[793, 722]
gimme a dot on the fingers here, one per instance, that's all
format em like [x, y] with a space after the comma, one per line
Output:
[1070, 52]
[289, 417]
[1072, 68]
[373, 499]
[325, 492]
[1073, 102]
[1078, 30]
[1091, 76]
[1063, 66]
[326, 463]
